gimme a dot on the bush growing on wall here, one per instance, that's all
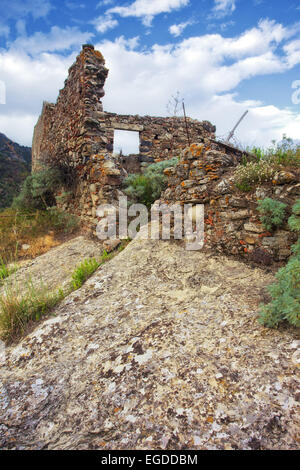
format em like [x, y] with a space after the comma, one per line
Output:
[253, 173]
[146, 188]
[285, 293]
[285, 154]
[272, 212]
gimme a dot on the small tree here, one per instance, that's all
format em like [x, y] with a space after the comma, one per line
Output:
[174, 104]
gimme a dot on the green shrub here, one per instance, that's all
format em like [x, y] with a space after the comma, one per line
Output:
[268, 161]
[61, 221]
[294, 220]
[38, 190]
[272, 212]
[253, 173]
[285, 293]
[258, 152]
[147, 187]
[284, 153]
[12, 175]
[296, 248]
[83, 271]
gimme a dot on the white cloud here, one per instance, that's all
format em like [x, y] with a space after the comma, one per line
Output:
[127, 141]
[21, 27]
[104, 23]
[199, 68]
[105, 3]
[74, 5]
[29, 81]
[21, 8]
[18, 127]
[57, 39]
[18, 10]
[293, 52]
[205, 69]
[223, 8]
[146, 9]
[177, 29]
[261, 125]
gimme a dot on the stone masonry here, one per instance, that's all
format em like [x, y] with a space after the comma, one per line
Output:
[204, 175]
[77, 130]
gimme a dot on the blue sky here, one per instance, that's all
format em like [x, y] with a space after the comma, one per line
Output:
[222, 56]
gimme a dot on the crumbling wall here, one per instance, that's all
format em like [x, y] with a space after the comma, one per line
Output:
[204, 175]
[76, 130]
[160, 137]
[70, 128]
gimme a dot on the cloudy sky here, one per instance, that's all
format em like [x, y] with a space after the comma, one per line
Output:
[222, 56]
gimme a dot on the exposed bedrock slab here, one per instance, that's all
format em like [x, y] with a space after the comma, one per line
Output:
[159, 349]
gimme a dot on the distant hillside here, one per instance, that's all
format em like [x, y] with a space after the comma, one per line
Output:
[15, 165]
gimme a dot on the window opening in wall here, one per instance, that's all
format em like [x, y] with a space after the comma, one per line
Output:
[127, 141]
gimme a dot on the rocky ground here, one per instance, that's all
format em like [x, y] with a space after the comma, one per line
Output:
[54, 268]
[160, 349]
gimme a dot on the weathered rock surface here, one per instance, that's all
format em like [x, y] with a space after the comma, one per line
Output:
[54, 268]
[159, 349]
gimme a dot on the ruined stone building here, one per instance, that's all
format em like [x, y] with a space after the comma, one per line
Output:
[77, 129]
[78, 132]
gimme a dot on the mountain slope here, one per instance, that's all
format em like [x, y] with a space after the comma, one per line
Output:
[15, 165]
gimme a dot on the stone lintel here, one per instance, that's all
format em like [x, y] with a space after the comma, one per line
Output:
[127, 127]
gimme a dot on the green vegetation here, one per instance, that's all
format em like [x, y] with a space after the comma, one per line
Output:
[88, 266]
[284, 155]
[84, 271]
[6, 270]
[12, 175]
[146, 188]
[32, 228]
[33, 215]
[272, 213]
[294, 220]
[253, 173]
[16, 310]
[285, 293]
[38, 190]
[15, 164]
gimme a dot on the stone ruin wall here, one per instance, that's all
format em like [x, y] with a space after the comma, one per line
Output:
[160, 138]
[77, 129]
[204, 175]
[68, 128]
